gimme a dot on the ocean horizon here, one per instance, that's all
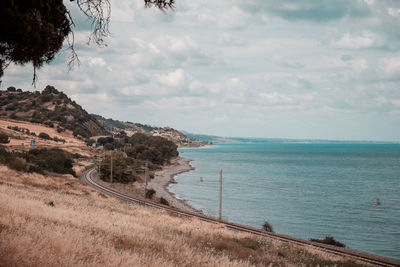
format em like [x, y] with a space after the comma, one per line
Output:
[304, 188]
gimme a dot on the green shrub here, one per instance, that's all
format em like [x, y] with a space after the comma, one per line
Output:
[17, 164]
[105, 140]
[44, 136]
[4, 138]
[120, 166]
[268, 227]
[155, 149]
[329, 240]
[109, 146]
[164, 201]
[53, 160]
[150, 192]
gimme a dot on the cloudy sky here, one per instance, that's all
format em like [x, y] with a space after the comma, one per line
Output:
[323, 69]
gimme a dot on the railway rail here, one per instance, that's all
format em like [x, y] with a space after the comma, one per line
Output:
[361, 256]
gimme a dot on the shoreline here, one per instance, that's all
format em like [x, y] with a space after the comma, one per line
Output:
[166, 176]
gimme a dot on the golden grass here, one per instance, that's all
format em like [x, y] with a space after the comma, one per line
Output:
[71, 144]
[87, 228]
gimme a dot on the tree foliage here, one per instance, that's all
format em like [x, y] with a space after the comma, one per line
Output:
[156, 149]
[4, 138]
[120, 173]
[39, 160]
[34, 30]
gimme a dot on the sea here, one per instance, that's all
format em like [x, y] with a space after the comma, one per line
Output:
[303, 188]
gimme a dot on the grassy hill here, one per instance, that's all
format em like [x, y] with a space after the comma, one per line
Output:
[49, 107]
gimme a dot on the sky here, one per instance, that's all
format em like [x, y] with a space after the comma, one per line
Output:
[305, 69]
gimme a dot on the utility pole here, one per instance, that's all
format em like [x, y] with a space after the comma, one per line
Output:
[99, 165]
[111, 167]
[146, 173]
[220, 194]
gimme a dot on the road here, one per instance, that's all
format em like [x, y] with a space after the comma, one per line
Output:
[375, 260]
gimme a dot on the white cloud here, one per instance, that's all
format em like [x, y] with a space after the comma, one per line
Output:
[234, 18]
[96, 61]
[174, 79]
[394, 12]
[275, 98]
[391, 66]
[347, 41]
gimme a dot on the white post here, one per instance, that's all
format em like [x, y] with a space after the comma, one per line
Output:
[146, 174]
[220, 194]
[111, 168]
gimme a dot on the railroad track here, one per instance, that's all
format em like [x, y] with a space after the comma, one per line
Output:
[365, 257]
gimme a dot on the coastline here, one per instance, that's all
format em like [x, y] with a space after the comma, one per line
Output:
[166, 176]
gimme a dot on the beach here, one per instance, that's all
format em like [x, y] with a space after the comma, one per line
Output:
[164, 177]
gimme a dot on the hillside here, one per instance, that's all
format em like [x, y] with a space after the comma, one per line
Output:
[50, 107]
[130, 128]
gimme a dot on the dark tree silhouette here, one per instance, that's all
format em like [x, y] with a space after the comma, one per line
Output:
[34, 30]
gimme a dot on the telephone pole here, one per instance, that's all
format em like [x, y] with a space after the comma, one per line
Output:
[111, 167]
[146, 174]
[220, 194]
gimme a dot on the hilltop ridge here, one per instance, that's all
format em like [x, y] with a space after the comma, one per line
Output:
[130, 128]
[50, 107]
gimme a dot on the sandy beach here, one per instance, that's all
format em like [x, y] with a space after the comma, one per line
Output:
[164, 177]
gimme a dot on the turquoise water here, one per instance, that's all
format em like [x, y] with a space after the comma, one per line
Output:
[306, 190]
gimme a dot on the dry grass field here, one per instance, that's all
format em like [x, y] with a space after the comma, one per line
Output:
[71, 144]
[57, 221]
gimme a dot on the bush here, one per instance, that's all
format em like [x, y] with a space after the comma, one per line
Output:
[150, 192]
[268, 227]
[164, 201]
[90, 142]
[49, 123]
[4, 138]
[329, 240]
[16, 164]
[44, 136]
[120, 170]
[54, 160]
[105, 140]
[156, 149]
[109, 146]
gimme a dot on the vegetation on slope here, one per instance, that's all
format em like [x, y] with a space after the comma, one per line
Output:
[179, 138]
[140, 150]
[38, 160]
[50, 107]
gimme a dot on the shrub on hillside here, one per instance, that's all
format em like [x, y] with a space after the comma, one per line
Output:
[329, 240]
[4, 138]
[268, 227]
[164, 201]
[44, 136]
[156, 149]
[105, 140]
[53, 160]
[109, 146]
[11, 160]
[150, 192]
[120, 173]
